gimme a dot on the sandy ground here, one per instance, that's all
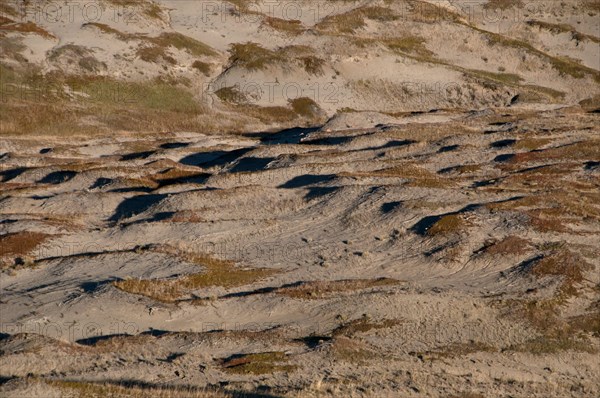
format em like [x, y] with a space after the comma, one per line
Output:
[429, 227]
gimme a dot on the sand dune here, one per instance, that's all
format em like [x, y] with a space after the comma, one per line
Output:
[368, 198]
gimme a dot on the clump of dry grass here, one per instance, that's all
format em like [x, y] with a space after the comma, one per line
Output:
[448, 224]
[203, 67]
[257, 363]
[417, 176]
[147, 7]
[563, 28]
[561, 263]
[555, 334]
[253, 56]
[15, 247]
[284, 25]
[353, 20]
[351, 350]
[217, 273]
[7, 25]
[503, 4]
[363, 325]
[322, 289]
[455, 350]
[409, 45]
[510, 245]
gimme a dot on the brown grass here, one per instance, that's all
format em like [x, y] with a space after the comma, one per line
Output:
[14, 247]
[503, 4]
[284, 25]
[352, 350]
[363, 325]
[257, 363]
[554, 333]
[84, 389]
[448, 224]
[217, 273]
[417, 176]
[456, 350]
[322, 289]
[24, 27]
[353, 20]
[564, 264]
[510, 245]
[253, 56]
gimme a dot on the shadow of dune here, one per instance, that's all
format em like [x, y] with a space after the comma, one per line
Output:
[135, 205]
[174, 145]
[137, 155]
[8, 175]
[288, 136]
[317, 192]
[307, 179]
[423, 225]
[214, 158]
[390, 207]
[58, 177]
[250, 164]
[92, 341]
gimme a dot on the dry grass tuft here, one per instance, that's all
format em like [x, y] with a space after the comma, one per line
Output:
[353, 20]
[6, 25]
[417, 176]
[456, 350]
[562, 263]
[253, 56]
[510, 245]
[503, 4]
[257, 363]
[351, 350]
[448, 224]
[363, 325]
[322, 289]
[15, 248]
[284, 25]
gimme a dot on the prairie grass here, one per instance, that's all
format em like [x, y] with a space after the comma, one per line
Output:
[87, 105]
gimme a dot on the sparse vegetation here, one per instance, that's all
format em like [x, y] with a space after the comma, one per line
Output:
[257, 363]
[15, 247]
[447, 224]
[253, 56]
[353, 20]
[217, 273]
[84, 389]
[322, 289]
[503, 4]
